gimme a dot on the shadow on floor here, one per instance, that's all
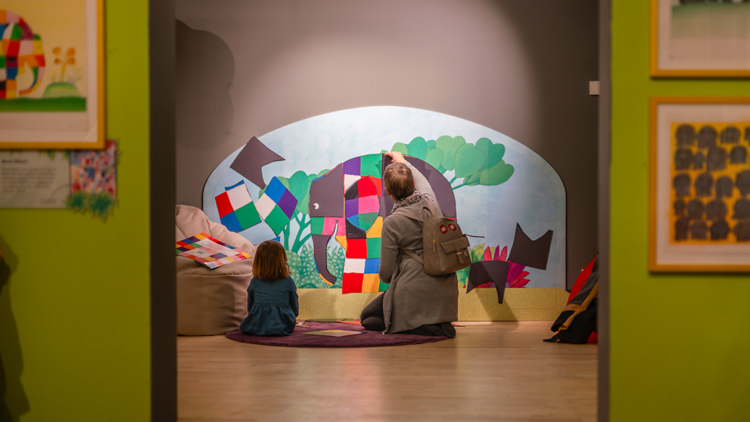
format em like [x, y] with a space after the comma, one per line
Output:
[14, 402]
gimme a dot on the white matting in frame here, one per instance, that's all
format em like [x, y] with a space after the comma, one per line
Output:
[52, 89]
[700, 39]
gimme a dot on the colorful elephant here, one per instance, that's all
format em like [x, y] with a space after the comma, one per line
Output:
[19, 48]
[350, 202]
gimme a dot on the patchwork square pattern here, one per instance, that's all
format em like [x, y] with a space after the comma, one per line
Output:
[19, 48]
[361, 203]
[328, 226]
[359, 231]
[372, 266]
[276, 205]
[373, 247]
[94, 171]
[349, 180]
[371, 165]
[209, 251]
[236, 208]
[375, 230]
[352, 283]
[277, 220]
[370, 283]
[352, 166]
[357, 248]
[354, 265]
[362, 261]
[369, 204]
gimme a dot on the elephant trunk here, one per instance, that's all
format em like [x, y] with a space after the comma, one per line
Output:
[320, 246]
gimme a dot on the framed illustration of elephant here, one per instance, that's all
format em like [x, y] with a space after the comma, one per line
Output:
[316, 186]
[52, 74]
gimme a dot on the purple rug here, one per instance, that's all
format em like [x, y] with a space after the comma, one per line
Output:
[368, 339]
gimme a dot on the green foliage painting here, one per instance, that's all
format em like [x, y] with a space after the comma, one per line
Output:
[305, 273]
[464, 164]
[480, 164]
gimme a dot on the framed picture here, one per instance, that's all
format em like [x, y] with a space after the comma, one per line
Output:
[700, 38]
[700, 185]
[51, 74]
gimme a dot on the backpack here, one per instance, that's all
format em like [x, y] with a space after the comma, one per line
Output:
[445, 246]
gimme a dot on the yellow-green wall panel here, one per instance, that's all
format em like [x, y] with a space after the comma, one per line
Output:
[75, 326]
[678, 342]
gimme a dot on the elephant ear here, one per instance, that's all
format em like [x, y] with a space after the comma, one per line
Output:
[361, 203]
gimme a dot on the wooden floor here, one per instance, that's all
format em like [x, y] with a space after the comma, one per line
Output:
[491, 372]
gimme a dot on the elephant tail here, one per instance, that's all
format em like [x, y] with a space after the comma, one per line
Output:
[38, 75]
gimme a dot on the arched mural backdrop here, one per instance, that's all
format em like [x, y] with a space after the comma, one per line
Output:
[316, 187]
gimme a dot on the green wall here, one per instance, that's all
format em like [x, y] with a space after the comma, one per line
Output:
[74, 313]
[679, 343]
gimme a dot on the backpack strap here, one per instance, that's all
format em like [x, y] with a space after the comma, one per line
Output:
[414, 255]
[406, 251]
[426, 211]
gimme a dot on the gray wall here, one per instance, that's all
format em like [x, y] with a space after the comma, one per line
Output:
[247, 67]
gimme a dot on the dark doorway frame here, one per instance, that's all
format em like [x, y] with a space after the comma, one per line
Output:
[605, 155]
[162, 187]
[162, 198]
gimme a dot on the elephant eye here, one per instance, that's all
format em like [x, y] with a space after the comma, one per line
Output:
[316, 205]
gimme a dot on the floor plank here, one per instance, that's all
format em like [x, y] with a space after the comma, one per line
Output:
[489, 372]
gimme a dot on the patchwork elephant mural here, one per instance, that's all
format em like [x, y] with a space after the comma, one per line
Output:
[350, 203]
[324, 199]
[20, 48]
[347, 202]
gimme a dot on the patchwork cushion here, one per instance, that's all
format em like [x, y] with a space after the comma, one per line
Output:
[210, 302]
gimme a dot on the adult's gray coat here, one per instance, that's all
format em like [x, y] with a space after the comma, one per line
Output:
[413, 298]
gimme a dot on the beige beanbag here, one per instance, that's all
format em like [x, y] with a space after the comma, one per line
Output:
[210, 302]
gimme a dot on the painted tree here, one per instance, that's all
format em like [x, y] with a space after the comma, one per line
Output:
[475, 164]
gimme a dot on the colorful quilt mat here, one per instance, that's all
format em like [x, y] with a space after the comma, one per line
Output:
[209, 251]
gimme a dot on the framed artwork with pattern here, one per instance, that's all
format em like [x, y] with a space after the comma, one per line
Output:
[51, 74]
[700, 184]
[700, 38]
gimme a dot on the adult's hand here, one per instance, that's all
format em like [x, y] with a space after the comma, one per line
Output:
[396, 157]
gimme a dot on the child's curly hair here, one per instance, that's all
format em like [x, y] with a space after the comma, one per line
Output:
[270, 261]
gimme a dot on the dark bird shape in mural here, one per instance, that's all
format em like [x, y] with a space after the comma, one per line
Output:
[250, 161]
[489, 271]
[531, 253]
[526, 252]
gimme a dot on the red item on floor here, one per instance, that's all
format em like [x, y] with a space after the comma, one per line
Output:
[578, 285]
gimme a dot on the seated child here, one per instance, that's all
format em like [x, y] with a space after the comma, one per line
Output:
[272, 296]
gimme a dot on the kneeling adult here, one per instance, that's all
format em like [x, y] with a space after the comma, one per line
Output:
[415, 302]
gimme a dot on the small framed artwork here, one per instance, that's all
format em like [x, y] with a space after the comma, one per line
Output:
[700, 38]
[700, 185]
[51, 74]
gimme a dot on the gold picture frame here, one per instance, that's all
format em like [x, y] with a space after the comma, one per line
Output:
[693, 226]
[54, 98]
[689, 55]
